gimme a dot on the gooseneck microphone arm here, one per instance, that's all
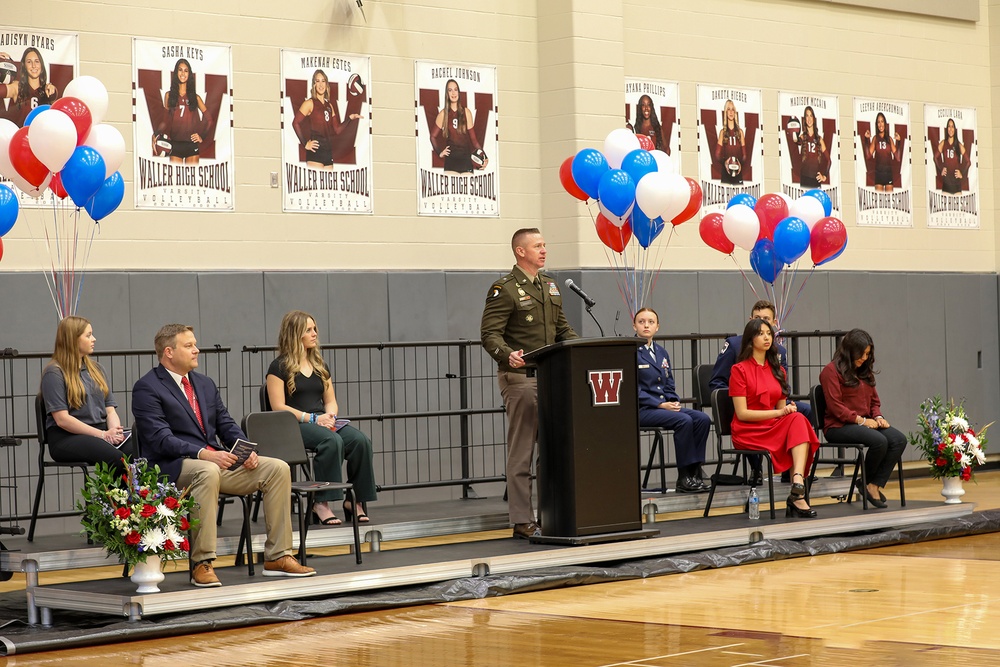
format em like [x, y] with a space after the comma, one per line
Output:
[587, 301]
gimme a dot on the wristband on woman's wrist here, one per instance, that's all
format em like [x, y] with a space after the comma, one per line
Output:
[860, 420]
[312, 418]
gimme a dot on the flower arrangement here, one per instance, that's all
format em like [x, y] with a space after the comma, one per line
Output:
[951, 445]
[136, 515]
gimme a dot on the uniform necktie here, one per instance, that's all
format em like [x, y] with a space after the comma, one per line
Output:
[189, 391]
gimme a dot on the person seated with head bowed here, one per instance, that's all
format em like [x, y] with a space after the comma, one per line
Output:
[299, 382]
[659, 405]
[764, 420]
[81, 417]
[854, 411]
[186, 429]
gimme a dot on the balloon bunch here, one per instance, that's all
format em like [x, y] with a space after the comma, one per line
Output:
[777, 231]
[64, 149]
[636, 192]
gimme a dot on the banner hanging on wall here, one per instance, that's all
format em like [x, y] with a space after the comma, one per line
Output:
[951, 155]
[730, 145]
[652, 111]
[182, 110]
[809, 145]
[883, 168]
[326, 132]
[458, 165]
[35, 68]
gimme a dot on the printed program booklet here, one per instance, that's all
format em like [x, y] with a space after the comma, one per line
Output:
[242, 449]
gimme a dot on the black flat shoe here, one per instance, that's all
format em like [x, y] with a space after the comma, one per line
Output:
[875, 502]
[690, 484]
[756, 478]
[792, 510]
[881, 496]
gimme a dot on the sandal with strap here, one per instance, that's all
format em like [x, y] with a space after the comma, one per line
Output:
[798, 490]
[349, 512]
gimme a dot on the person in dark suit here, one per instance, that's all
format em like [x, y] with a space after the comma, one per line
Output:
[181, 421]
[660, 406]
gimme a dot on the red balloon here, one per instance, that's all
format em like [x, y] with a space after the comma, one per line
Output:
[78, 112]
[694, 203]
[566, 178]
[713, 235]
[25, 163]
[645, 143]
[614, 237]
[770, 209]
[828, 236]
[57, 187]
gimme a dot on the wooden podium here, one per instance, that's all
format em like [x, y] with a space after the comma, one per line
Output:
[588, 439]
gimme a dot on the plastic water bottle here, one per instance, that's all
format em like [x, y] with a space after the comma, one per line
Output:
[754, 504]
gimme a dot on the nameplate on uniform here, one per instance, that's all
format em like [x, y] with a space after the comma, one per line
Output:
[641, 366]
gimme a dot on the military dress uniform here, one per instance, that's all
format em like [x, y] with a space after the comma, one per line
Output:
[521, 314]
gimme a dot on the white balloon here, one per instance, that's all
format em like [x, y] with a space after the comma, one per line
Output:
[7, 130]
[652, 193]
[92, 92]
[616, 220]
[663, 162]
[29, 189]
[52, 138]
[808, 209]
[678, 196]
[741, 226]
[109, 142]
[618, 144]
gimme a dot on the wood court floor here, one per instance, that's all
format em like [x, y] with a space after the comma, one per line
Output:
[933, 603]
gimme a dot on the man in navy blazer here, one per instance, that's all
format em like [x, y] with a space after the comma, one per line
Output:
[185, 428]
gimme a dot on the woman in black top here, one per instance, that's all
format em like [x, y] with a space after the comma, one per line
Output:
[299, 382]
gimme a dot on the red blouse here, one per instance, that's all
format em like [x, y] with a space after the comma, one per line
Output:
[845, 404]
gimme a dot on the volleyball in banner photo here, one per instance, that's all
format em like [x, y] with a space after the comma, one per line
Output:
[35, 68]
[652, 111]
[809, 145]
[951, 155]
[730, 145]
[458, 161]
[182, 110]
[883, 168]
[326, 132]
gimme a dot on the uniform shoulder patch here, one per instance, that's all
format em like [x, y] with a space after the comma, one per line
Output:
[495, 291]
[725, 346]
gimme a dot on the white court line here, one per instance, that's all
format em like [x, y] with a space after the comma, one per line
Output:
[921, 613]
[639, 662]
[770, 661]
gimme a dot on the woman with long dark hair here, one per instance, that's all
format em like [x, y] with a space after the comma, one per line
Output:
[882, 149]
[646, 121]
[31, 87]
[187, 117]
[951, 159]
[811, 150]
[764, 421]
[854, 411]
[456, 135]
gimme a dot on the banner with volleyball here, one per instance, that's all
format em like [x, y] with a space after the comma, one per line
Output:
[883, 168]
[809, 145]
[730, 145]
[951, 157]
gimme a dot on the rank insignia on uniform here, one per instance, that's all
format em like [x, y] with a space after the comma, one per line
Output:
[529, 318]
[494, 292]
[725, 346]
[553, 290]
[520, 291]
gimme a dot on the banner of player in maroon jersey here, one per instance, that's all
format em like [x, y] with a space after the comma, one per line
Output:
[883, 167]
[182, 106]
[809, 145]
[458, 171]
[35, 68]
[951, 154]
[651, 111]
[326, 132]
[730, 145]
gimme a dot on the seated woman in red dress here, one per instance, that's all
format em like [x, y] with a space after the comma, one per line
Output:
[763, 420]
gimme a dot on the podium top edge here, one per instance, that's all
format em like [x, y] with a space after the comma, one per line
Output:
[608, 341]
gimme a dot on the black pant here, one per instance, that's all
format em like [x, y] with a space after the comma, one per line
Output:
[71, 447]
[885, 448]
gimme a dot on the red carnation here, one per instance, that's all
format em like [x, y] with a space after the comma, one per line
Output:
[168, 545]
[941, 448]
[144, 492]
[123, 513]
[185, 545]
[958, 455]
[966, 474]
[184, 523]
[148, 511]
[132, 538]
[171, 502]
[940, 462]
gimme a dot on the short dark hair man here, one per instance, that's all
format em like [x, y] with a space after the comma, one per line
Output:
[181, 419]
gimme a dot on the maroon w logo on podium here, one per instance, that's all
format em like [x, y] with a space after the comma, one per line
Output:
[604, 385]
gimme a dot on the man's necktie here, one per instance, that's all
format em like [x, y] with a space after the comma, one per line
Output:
[189, 391]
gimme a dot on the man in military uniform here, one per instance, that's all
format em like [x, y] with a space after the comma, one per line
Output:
[523, 312]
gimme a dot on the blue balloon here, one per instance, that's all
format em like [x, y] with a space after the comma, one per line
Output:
[638, 163]
[8, 209]
[791, 239]
[82, 174]
[835, 255]
[107, 198]
[616, 191]
[645, 230]
[588, 167]
[823, 198]
[742, 198]
[764, 262]
[34, 112]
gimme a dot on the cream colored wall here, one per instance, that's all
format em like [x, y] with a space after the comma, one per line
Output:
[561, 65]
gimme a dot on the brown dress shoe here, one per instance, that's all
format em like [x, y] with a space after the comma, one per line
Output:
[526, 530]
[286, 566]
[203, 575]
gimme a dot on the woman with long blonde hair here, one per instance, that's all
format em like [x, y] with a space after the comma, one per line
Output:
[81, 422]
[299, 382]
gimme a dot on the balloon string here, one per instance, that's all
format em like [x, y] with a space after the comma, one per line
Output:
[51, 274]
[750, 284]
[83, 267]
[801, 287]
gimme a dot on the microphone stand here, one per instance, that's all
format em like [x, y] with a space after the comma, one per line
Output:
[591, 313]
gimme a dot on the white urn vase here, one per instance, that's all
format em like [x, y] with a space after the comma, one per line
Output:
[147, 575]
[952, 490]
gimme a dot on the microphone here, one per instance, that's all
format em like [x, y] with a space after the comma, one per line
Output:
[579, 291]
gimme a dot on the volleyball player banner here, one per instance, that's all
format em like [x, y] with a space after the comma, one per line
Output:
[326, 132]
[458, 165]
[182, 112]
[53, 60]
[883, 168]
[652, 109]
[809, 145]
[951, 155]
[730, 145]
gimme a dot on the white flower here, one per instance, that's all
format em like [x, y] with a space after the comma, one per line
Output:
[972, 440]
[965, 461]
[958, 424]
[977, 454]
[153, 539]
[164, 511]
[173, 534]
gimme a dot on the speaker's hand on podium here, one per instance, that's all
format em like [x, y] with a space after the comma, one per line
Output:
[516, 359]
